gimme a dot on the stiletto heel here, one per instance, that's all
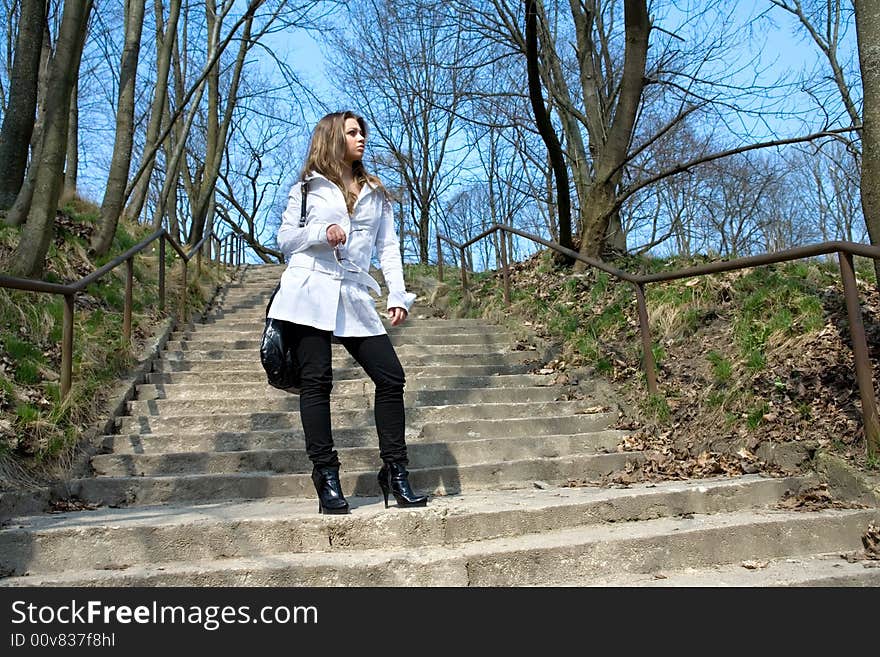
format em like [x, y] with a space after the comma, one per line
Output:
[394, 477]
[330, 497]
[383, 484]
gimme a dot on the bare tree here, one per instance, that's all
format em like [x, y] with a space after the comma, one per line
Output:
[166, 33]
[868, 30]
[400, 67]
[18, 121]
[71, 167]
[114, 194]
[38, 230]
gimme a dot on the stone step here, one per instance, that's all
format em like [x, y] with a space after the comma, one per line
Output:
[230, 441]
[410, 328]
[413, 373]
[363, 385]
[143, 535]
[549, 557]
[251, 342]
[230, 403]
[406, 352]
[826, 570]
[201, 423]
[181, 362]
[444, 480]
[291, 456]
[228, 320]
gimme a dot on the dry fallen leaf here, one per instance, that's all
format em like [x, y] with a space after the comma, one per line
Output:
[871, 541]
[752, 564]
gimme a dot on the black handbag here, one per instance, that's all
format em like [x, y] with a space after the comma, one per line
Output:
[278, 344]
[278, 353]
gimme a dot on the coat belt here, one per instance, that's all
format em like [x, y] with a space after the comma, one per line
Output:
[335, 270]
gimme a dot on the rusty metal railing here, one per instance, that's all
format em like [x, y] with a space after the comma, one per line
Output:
[229, 252]
[844, 250]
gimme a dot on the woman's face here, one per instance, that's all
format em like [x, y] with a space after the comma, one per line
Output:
[354, 141]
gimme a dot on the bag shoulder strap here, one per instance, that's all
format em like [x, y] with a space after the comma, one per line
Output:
[272, 298]
[302, 212]
[302, 222]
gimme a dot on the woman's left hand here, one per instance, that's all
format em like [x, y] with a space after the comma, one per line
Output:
[397, 316]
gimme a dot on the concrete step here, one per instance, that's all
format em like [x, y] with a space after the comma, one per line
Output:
[363, 385]
[231, 441]
[181, 362]
[358, 399]
[251, 342]
[825, 570]
[443, 480]
[413, 373]
[201, 423]
[409, 332]
[151, 535]
[409, 328]
[258, 316]
[406, 352]
[291, 456]
[552, 557]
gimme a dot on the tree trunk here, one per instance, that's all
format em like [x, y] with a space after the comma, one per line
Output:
[165, 38]
[600, 201]
[868, 34]
[72, 167]
[545, 127]
[424, 228]
[18, 213]
[39, 228]
[117, 180]
[612, 154]
[18, 121]
[217, 129]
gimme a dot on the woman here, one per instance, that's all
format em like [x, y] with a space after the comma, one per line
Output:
[325, 291]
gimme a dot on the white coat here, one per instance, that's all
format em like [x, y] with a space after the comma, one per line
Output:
[316, 289]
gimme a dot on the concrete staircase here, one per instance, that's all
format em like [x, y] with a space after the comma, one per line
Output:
[206, 483]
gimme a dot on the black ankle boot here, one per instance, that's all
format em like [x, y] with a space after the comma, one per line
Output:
[393, 477]
[330, 497]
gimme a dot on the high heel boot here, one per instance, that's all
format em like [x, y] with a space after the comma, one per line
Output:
[394, 478]
[330, 497]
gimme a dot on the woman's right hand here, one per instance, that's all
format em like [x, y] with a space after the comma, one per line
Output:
[335, 235]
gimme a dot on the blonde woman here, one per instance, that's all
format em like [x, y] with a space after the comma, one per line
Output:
[328, 242]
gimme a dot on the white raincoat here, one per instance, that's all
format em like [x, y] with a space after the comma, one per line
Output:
[334, 295]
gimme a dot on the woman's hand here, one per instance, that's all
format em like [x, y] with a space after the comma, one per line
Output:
[335, 235]
[397, 316]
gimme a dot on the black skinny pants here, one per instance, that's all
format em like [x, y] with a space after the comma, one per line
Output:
[376, 355]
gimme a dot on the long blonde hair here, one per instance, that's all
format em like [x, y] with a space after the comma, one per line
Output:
[327, 151]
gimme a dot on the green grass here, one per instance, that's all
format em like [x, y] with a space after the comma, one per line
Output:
[722, 368]
[756, 415]
[31, 324]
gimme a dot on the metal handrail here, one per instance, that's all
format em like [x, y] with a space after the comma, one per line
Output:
[844, 250]
[225, 252]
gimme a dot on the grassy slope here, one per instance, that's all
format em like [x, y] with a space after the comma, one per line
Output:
[748, 361]
[37, 432]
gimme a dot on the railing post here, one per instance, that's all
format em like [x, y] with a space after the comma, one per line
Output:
[182, 307]
[505, 270]
[162, 273]
[864, 374]
[464, 280]
[439, 259]
[645, 330]
[126, 314]
[67, 346]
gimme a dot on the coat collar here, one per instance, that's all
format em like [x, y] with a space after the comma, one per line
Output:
[313, 175]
